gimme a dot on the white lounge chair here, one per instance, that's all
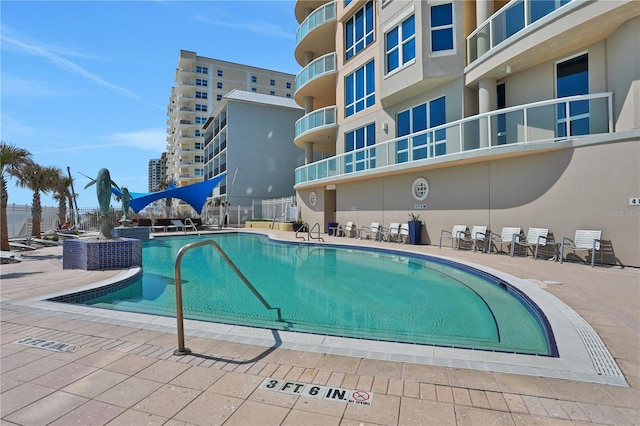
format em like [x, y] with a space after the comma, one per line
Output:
[404, 233]
[508, 235]
[584, 239]
[348, 230]
[456, 232]
[178, 225]
[475, 237]
[536, 238]
[371, 232]
[392, 233]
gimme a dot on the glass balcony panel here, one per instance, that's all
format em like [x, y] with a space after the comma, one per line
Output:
[318, 17]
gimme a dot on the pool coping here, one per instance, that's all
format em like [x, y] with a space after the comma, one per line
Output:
[583, 355]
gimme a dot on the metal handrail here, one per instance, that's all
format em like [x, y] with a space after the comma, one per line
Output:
[311, 237]
[304, 228]
[178, 284]
[190, 223]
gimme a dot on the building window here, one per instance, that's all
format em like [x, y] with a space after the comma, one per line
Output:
[441, 27]
[201, 82]
[360, 89]
[201, 120]
[199, 172]
[202, 70]
[218, 97]
[254, 79]
[288, 95]
[201, 107]
[359, 30]
[219, 85]
[219, 73]
[417, 119]
[272, 92]
[362, 159]
[199, 159]
[401, 44]
[572, 78]
[201, 95]
[198, 134]
[346, 2]
[253, 89]
[288, 85]
[272, 82]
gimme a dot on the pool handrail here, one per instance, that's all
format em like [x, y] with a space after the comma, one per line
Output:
[311, 237]
[182, 350]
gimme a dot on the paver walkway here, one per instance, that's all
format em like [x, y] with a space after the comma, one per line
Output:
[123, 374]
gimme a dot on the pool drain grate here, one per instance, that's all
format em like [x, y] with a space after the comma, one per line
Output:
[602, 360]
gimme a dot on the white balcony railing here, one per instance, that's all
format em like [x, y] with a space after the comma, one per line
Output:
[546, 121]
[316, 119]
[510, 19]
[318, 17]
[323, 65]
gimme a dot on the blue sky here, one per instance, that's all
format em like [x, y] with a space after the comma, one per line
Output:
[85, 84]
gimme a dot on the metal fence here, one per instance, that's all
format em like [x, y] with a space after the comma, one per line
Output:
[19, 217]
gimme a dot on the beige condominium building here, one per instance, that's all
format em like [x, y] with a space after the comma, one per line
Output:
[200, 85]
[505, 114]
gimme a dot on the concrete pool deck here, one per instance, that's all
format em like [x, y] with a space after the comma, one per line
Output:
[122, 370]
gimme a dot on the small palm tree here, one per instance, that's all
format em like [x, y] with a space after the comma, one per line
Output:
[12, 159]
[161, 187]
[62, 193]
[38, 179]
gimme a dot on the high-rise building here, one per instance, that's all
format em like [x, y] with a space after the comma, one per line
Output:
[200, 84]
[522, 113]
[155, 174]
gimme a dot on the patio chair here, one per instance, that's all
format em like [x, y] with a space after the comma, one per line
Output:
[178, 225]
[370, 232]
[348, 230]
[508, 235]
[391, 233]
[536, 238]
[454, 235]
[474, 238]
[403, 236]
[588, 240]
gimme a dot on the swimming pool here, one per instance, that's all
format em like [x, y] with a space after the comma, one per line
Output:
[326, 289]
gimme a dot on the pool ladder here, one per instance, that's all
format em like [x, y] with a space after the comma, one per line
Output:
[178, 284]
[305, 228]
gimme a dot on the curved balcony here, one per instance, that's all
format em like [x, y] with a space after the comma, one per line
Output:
[510, 131]
[317, 33]
[318, 80]
[304, 7]
[319, 127]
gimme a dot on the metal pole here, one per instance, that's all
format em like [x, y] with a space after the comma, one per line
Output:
[179, 318]
[73, 194]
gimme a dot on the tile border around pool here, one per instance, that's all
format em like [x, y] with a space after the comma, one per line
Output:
[583, 356]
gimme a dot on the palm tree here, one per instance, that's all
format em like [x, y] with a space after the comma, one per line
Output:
[38, 179]
[161, 187]
[62, 193]
[12, 159]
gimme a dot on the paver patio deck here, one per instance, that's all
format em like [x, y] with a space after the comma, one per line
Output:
[124, 372]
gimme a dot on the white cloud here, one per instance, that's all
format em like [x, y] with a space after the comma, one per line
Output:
[147, 139]
[60, 62]
[258, 27]
[29, 88]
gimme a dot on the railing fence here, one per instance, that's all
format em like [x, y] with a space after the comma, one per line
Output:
[19, 217]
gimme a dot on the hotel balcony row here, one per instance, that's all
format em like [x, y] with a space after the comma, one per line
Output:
[507, 132]
[523, 33]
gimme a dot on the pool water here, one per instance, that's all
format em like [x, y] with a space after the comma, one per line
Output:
[383, 295]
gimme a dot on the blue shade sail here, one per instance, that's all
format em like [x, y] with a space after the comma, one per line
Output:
[195, 195]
